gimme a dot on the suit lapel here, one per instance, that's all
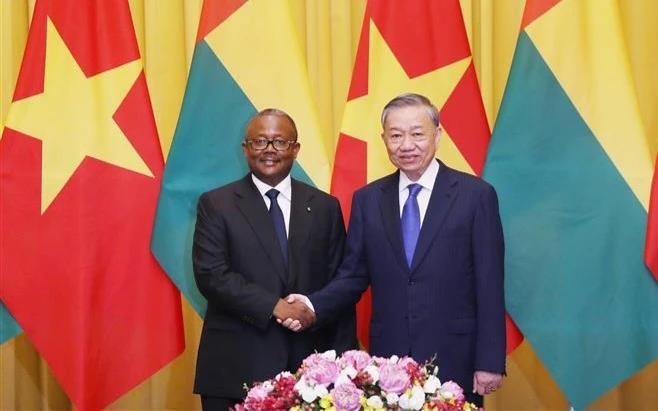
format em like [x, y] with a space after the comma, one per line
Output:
[301, 224]
[442, 199]
[390, 208]
[252, 206]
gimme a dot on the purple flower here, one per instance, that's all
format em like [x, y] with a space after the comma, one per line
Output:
[356, 359]
[346, 397]
[393, 378]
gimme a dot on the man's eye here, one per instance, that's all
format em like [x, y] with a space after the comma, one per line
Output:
[279, 141]
[260, 141]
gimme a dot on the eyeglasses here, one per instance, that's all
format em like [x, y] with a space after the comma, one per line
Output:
[262, 143]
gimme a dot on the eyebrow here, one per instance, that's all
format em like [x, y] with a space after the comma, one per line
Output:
[410, 128]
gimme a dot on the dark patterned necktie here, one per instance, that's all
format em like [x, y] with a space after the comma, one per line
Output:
[279, 223]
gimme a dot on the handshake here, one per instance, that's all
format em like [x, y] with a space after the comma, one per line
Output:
[295, 312]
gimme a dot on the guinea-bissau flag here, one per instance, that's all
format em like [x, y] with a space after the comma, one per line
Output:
[422, 47]
[651, 244]
[80, 168]
[570, 160]
[229, 82]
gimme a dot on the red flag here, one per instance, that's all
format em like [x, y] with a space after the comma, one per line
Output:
[651, 245]
[421, 47]
[80, 169]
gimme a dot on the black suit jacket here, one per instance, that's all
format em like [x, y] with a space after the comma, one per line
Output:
[239, 268]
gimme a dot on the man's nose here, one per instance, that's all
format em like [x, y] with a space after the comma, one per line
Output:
[407, 142]
[270, 146]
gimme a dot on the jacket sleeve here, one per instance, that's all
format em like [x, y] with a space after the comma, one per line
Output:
[344, 337]
[488, 260]
[352, 278]
[213, 272]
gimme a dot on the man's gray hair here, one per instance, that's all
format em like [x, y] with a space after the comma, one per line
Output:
[411, 99]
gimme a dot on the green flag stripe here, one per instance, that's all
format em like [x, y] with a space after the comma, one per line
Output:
[8, 327]
[205, 154]
[575, 281]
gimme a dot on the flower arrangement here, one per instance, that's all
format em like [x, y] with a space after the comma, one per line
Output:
[357, 381]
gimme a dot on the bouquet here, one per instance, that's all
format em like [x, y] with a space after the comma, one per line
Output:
[357, 381]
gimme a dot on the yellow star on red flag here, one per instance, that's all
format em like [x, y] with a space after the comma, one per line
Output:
[73, 117]
[387, 79]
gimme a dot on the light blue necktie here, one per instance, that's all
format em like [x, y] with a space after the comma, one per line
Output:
[411, 222]
[279, 223]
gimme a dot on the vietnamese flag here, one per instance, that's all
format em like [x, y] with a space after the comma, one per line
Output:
[80, 169]
[421, 47]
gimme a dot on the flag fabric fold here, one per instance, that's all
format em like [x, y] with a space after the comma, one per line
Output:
[80, 168]
[651, 243]
[570, 160]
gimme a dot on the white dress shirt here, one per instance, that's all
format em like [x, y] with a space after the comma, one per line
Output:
[426, 181]
[284, 198]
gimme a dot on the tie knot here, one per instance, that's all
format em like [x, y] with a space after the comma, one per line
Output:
[272, 194]
[414, 189]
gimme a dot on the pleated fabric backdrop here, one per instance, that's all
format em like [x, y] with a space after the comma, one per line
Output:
[329, 31]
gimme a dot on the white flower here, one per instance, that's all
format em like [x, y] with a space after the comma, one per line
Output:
[321, 391]
[306, 391]
[412, 400]
[446, 395]
[373, 371]
[267, 386]
[349, 371]
[375, 402]
[394, 359]
[342, 379]
[432, 384]
[346, 375]
[392, 398]
[330, 355]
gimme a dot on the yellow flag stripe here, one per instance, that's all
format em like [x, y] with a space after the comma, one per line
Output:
[582, 43]
[266, 61]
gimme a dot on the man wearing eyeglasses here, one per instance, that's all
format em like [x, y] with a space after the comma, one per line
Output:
[257, 240]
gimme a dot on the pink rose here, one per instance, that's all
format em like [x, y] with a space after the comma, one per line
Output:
[393, 378]
[407, 361]
[255, 397]
[320, 370]
[346, 397]
[453, 390]
[356, 359]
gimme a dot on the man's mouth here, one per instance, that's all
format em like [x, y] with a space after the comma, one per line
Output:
[269, 161]
[408, 158]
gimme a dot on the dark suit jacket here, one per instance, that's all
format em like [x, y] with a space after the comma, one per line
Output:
[239, 268]
[450, 303]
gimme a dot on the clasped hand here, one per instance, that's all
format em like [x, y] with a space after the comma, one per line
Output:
[293, 313]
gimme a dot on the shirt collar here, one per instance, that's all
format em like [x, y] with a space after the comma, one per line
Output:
[284, 187]
[426, 180]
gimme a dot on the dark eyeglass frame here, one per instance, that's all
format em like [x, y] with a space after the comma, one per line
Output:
[279, 144]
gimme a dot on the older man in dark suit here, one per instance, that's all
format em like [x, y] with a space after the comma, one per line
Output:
[257, 240]
[429, 241]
